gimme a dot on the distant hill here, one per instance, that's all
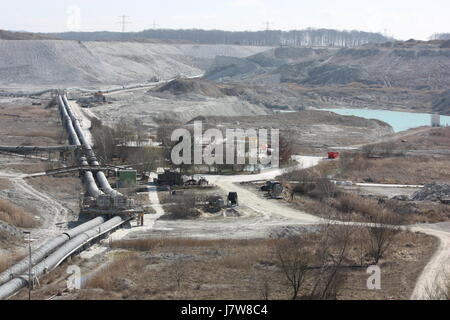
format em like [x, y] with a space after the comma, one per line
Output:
[442, 36]
[412, 64]
[441, 103]
[50, 63]
[308, 37]
[11, 35]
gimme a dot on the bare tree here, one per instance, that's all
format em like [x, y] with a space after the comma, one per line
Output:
[145, 159]
[103, 139]
[263, 285]
[331, 253]
[286, 151]
[369, 150]
[382, 234]
[179, 271]
[293, 260]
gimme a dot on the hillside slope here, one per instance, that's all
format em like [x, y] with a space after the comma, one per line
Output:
[441, 103]
[415, 66]
[92, 64]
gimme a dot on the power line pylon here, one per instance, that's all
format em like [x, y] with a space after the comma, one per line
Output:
[123, 21]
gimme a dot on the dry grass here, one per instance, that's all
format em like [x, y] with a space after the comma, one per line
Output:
[246, 258]
[15, 216]
[7, 260]
[58, 186]
[4, 263]
[151, 244]
[434, 138]
[121, 265]
[234, 269]
[395, 170]
[352, 203]
[390, 170]
[51, 134]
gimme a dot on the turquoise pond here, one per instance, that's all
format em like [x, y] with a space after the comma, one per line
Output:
[400, 121]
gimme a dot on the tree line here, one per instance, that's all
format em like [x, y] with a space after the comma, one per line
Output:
[304, 38]
[441, 36]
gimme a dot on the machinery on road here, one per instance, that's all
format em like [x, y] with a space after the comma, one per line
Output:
[274, 189]
[172, 178]
[233, 200]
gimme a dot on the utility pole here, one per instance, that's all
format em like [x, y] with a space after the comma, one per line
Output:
[29, 264]
[123, 21]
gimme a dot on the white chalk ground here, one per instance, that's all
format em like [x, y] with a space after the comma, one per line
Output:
[32, 65]
[146, 107]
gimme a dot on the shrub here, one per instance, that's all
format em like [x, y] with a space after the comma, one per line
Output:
[15, 216]
[183, 207]
[106, 278]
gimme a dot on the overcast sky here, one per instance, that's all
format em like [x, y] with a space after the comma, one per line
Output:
[403, 19]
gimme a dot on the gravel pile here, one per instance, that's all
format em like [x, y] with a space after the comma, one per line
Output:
[433, 192]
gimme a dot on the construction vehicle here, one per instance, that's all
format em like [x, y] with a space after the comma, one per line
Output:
[192, 181]
[333, 155]
[173, 178]
[215, 204]
[232, 200]
[276, 192]
[274, 189]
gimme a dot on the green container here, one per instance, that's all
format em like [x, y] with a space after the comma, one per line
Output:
[127, 178]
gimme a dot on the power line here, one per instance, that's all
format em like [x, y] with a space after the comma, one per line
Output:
[123, 21]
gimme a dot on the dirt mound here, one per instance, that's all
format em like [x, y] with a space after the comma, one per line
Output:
[413, 65]
[192, 86]
[433, 192]
[310, 130]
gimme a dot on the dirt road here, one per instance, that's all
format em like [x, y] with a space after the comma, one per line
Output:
[54, 215]
[264, 206]
[431, 275]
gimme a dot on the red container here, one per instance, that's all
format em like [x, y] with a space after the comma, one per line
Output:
[333, 155]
